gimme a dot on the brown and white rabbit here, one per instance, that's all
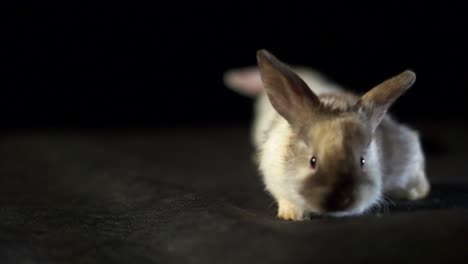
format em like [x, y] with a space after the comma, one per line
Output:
[326, 151]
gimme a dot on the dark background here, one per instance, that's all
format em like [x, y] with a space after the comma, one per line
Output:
[193, 195]
[126, 65]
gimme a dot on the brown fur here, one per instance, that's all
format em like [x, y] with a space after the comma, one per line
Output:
[338, 129]
[289, 94]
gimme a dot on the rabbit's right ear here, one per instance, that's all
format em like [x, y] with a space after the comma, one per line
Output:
[376, 102]
[288, 93]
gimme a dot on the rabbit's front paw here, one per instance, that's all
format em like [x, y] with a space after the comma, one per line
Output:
[287, 211]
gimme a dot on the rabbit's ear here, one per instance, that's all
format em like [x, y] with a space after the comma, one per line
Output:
[245, 81]
[376, 102]
[288, 93]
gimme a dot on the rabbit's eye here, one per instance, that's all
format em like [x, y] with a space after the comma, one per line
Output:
[313, 162]
[363, 161]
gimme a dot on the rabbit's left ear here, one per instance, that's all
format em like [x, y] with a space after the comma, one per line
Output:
[288, 93]
[376, 102]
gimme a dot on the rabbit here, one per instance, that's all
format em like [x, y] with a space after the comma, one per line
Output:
[326, 151]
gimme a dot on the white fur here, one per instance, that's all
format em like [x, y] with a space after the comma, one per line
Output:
[284, 184]
[280, 181]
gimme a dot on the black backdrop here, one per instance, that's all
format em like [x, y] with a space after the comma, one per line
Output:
[125, 65]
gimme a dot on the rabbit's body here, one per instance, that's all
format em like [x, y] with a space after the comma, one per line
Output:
[393, 143]
[323, 150]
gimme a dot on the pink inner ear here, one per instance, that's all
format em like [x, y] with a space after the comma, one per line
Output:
[246, 81]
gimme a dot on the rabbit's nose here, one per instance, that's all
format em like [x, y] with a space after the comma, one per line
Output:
[338, 201]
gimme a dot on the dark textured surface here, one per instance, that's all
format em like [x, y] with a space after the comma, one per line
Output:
[193, 196]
